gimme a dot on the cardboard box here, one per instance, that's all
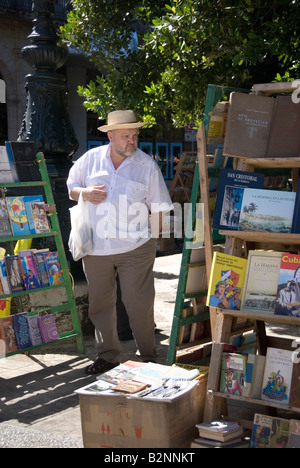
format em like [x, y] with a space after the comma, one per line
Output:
[124, 422]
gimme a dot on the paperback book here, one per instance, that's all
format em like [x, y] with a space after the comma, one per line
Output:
[229, 196]
[294, 434]
[288, 284]
[4, 278]
[269, 432]
[15, 280]
[53, 268]
[8, 172]
[18, 215]
[34, 330]
[48, 328]
[28, 199]
[21, 328]
[261, 280]
[28, 270]
[233, 370]
[220, 430]
[226, 283]
[267, 211]
[5, 226]
[39, 217]
[7, 335]
[277, 376]
[39, 258]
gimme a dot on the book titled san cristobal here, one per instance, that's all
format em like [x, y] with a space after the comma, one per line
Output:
[226, 282]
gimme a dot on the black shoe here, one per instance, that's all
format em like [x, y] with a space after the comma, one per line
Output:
[100, 366]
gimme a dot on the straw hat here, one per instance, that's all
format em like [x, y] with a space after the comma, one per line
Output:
[121, 119]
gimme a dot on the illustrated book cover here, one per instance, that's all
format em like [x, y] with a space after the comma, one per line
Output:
[39, 216]
[7, 335]
[48, 328]
[18, 215]
[28, 199]
[21, 328]
[5, 226]
[288, 286]
[248, 125]
[233, 370]
[294, 434]
[230, 194]
[269, 432]
[4, 278]
[34, 330]
[261, 280]
[267, 211]
[39, 258]
[226, 283]
[28, 270]
[13, 272]
[277, 376]
[53, 268]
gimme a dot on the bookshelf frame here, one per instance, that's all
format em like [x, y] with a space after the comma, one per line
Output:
[216, 402]
[55, 232]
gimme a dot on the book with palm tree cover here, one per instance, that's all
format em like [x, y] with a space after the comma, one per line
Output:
[267, 211]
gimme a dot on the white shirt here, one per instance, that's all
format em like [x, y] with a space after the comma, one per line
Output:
[121, 222]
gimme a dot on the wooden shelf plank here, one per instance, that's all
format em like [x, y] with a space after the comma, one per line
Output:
[256, 402]
[251, 236]
[289, 320]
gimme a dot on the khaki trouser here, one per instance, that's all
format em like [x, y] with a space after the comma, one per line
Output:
[135, 271]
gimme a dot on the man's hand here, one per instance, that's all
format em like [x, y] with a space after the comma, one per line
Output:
[94, 195]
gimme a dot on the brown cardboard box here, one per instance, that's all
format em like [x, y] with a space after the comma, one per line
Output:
[123, 422]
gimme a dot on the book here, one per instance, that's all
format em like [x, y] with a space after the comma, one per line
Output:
[248, 125]
[226, 283]
[34, 330]
[296, 216]
[201, 442]
[267, 211]
[288, 292]
[28, 199]
[39, 258]
[233, 370]
[269, 432]
[13, 272]
[3, 277]
[284, 137]
[48, 328]
[294, 434]
[261, 280]
[53, 268]
[257, 376]
[277, 377]
[230, 194]
[220, 430]
[21, 328]
[28, 270]
[295, 385]
[18, 215]
[5, 226]
[8, 171]
[23, 153]
[7, 335]
[39, 216]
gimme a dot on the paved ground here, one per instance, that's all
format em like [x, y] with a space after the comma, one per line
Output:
[38, 406]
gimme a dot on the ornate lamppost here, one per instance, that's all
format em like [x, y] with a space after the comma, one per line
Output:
[46, 121]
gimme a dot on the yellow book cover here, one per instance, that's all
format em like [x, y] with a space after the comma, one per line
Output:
[226, 282]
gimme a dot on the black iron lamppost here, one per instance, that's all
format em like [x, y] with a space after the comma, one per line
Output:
[46, 121]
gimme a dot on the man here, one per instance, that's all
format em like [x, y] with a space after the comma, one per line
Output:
[123, 186]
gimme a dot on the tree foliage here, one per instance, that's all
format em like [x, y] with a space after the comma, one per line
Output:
[183, 45]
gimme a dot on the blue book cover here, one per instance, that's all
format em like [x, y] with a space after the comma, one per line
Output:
[21, 328]
[18, 216]
[28, 270]
[230, 194]
[41, 268]
[53, 268]
[27, 200]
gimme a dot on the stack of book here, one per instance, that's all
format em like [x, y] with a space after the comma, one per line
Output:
[29, 269]
[22, 331]
[219, 433]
